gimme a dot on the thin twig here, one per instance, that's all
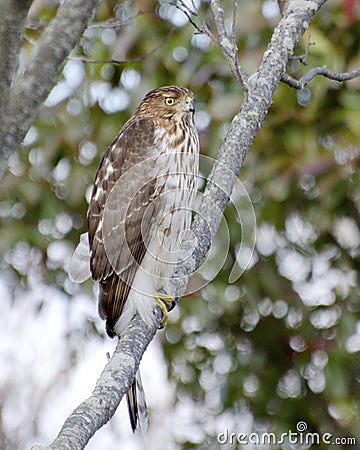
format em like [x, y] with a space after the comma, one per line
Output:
[303, 58]
[110, 23]
[233, 24]
[123, 61]
[200, 29]
[218, 15]
[35, 25]
[30, 40]
[312, 73]
[116, 23]
[227, 45]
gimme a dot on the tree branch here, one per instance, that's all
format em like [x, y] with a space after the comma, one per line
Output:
[13, 15]
[239, 138]
[33, 86]
[117, 23]
[113, 383]
[303, 58]
[130, 60]
[312, 73]
[226, 43]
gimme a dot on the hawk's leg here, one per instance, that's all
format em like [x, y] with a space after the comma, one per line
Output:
[166, 303]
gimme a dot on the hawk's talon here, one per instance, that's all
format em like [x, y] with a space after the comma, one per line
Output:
[166, 303]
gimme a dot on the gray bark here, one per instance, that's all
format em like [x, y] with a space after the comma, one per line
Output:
[111, 386]
[102, 404]
[21, 102]
[13, 15]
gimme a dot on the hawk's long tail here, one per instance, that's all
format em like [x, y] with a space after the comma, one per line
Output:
[136, 402]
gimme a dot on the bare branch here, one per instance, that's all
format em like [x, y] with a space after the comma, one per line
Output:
[116, 23]
[303, 58]
[226, 44]
[118, 61]
[13, 15]
[281, 4]
[110, 23]
[202, 28]
[233, 24]
[324, 71]
[218, 15]
[33, 86]
[113, 383]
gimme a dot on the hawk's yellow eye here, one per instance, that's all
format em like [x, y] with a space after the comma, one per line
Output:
[170, 101]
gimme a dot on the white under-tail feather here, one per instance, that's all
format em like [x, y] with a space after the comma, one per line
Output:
[136, 402]
[79, 270]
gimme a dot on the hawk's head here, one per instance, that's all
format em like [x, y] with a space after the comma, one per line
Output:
[168, 102]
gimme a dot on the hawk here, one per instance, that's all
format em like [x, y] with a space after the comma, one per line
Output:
[140, 209]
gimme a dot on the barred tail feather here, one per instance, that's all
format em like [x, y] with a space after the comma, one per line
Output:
[137, 405]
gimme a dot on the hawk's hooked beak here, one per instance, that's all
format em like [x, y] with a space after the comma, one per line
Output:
[189, 105]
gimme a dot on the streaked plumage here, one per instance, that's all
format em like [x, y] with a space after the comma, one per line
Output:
[141, 203]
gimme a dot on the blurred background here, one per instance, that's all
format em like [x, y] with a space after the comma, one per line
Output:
[278, 346]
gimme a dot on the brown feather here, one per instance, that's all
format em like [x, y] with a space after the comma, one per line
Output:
[123, 205]
[155, 153]
[119, 258]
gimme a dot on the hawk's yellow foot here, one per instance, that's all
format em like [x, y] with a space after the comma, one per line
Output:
[166, 303]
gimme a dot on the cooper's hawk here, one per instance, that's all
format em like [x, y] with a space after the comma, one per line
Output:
[140, 207]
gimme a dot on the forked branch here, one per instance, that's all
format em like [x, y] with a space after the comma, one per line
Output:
[224, 40]
[324, 71]
[312, 73]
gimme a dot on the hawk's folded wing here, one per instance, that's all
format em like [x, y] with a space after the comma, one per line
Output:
[120, 214]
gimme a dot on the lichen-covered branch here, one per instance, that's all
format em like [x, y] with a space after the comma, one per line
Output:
[324, 71]
[227, 43]
[13, 15]
[33, 86]
[114, 381]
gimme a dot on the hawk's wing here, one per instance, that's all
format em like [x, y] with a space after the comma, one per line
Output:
[120, 215]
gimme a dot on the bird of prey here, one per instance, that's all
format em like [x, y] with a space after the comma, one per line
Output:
[140, 210]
